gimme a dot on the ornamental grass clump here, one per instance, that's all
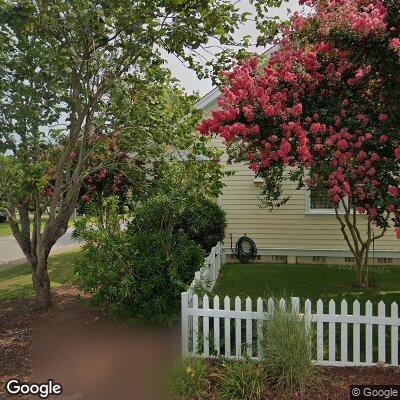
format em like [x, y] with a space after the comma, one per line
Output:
[287, 351]
[189, 379]
[240, 380]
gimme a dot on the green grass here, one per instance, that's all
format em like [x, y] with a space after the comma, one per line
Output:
[5, 229]
[307, 281]
[16, 281]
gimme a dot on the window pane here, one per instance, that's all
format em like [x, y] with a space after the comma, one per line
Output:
[319, 200]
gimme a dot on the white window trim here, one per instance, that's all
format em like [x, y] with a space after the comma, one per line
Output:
[320, 211]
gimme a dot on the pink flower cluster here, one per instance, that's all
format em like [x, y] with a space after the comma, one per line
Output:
[277, 110]
[364, 17]
[394, 44]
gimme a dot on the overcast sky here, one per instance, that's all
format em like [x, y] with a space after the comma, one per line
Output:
[189, 79]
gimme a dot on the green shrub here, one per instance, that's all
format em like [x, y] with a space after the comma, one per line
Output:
[204, 222]
[240, 380]
[136, 274]
[287, 351]
[199, 217]
[189, 380]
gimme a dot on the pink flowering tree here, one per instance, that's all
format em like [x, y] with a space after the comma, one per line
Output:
[324, 112]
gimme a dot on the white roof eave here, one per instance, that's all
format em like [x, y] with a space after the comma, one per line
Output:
[207, 99]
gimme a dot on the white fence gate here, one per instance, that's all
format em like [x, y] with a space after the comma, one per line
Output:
[353, 334]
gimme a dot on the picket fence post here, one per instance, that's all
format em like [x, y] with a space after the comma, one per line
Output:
[185, 324]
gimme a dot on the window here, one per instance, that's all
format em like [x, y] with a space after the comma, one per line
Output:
[318, 202]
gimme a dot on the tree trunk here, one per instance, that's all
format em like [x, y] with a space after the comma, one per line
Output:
[362, 272]
[41, 283]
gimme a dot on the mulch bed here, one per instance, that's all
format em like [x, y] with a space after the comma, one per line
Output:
[85, 350]
[334, 382]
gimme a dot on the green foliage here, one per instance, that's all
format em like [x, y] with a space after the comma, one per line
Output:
[240, 380]
[138, 273]
[204, 222]
[287, 351]
[189, 379]
[200, 218]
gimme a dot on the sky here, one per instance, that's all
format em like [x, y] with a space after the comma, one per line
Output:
[188, 78]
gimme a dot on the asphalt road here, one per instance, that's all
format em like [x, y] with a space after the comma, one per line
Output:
[11, 253]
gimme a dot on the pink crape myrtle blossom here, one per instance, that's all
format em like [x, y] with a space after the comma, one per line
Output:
[395, 45]
[325, 104]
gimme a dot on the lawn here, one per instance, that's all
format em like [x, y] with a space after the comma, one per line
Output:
[5, 229]
[16, 281]
[307, 281]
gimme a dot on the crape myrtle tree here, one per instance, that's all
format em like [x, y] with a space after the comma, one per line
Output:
[140, 270]
[154, 140]
[324, 112]
[58, 62]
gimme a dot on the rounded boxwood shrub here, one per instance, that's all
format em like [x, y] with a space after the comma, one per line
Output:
[204, 222]
[200, 218]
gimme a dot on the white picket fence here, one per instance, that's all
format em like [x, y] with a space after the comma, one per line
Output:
[340, 339]
[205, 278]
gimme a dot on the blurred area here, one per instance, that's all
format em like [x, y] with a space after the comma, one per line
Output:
[97, 364]
[91, 355]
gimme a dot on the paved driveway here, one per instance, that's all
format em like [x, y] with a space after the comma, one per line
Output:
[10, 251]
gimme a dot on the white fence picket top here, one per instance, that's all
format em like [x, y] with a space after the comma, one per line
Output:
[395, 334]
[201, 323]
[381, 334]
[343, 333]
[227, 327]
[296, 305]
[270, 305]
[356, 333]
[368, 333]
[249, 329]
[320, 331]
[216, 328]
[282, 304]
